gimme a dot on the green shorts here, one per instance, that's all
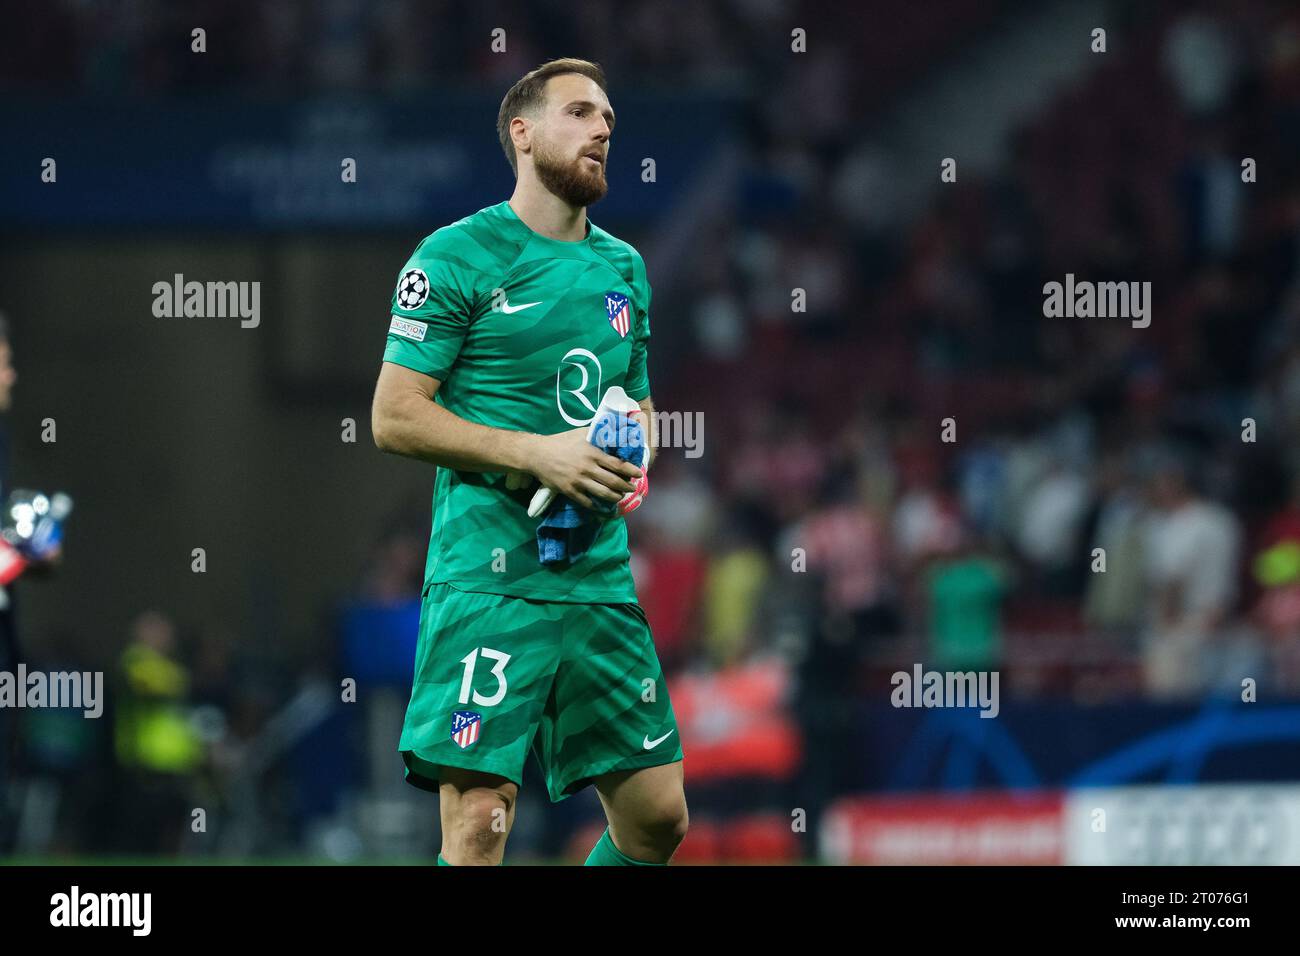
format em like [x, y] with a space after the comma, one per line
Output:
[495, 676]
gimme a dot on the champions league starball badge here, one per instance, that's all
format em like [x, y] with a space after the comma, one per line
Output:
[413, 289]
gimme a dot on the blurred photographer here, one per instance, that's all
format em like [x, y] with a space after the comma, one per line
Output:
[17, 566]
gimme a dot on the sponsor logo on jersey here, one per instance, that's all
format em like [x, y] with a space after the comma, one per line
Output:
[619, 312]
[465, 725]
[579, 368]
[412, 330]
[412, 289]
[509, 309]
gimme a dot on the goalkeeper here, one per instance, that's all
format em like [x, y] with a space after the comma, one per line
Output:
[508, 329]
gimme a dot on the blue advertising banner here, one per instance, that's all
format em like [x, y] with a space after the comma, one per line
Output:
[225, 163]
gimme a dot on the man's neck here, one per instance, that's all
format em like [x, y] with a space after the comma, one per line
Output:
[546, 213]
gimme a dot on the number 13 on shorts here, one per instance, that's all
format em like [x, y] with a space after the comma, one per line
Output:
[498, 671]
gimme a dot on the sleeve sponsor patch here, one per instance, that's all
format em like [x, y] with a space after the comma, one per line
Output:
[408, 328]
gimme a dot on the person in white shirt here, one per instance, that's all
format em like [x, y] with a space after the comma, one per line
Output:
[1192, 550]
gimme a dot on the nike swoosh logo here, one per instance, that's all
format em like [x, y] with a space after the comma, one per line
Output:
[652, 744]
[509, 309]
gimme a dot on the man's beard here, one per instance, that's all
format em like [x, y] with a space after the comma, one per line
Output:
[569, 180]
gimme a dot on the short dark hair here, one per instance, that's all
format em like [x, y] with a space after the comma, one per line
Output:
[4, 327]
[529, 93]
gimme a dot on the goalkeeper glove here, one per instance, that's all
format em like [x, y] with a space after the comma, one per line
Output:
[632, 500]
[615, 400]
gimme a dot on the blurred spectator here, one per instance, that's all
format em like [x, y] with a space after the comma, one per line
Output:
[1275, 568]
[9, 654]
[847, 548]
[964, 596]
[982, 486]
[1050, 521]
[1213, 205]
[719, 320]
[927, 520]
[734, 588]
[158, 748]
[64, 761]
[780, 463]
[1191, 551]
[1201, 58]
[1113, 599]
[680, 510]
[669, 581]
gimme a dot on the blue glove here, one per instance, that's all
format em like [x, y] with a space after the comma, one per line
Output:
[568, 531]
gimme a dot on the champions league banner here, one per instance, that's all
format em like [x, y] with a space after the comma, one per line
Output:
[1040, 744]
[344, 162]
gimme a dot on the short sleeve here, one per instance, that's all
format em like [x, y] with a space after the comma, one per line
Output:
[431, 308]
[637, 382]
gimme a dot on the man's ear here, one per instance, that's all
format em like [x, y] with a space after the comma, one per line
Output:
[521, 134]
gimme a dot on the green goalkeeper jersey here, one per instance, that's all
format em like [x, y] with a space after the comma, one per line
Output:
[525, 333]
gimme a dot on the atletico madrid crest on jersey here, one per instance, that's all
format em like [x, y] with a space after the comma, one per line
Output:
[465, 725]
[619, 310]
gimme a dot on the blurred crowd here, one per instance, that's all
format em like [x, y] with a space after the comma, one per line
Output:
[390, 46]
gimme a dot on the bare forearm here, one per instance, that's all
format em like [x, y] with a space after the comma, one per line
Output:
[416, 427]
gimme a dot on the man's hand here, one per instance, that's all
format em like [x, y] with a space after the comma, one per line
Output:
[580, 471]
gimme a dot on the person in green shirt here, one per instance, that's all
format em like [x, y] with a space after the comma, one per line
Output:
[507, 327]
[964, 602]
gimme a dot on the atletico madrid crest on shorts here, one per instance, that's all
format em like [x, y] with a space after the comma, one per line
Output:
[465, 726]
[619, 310]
